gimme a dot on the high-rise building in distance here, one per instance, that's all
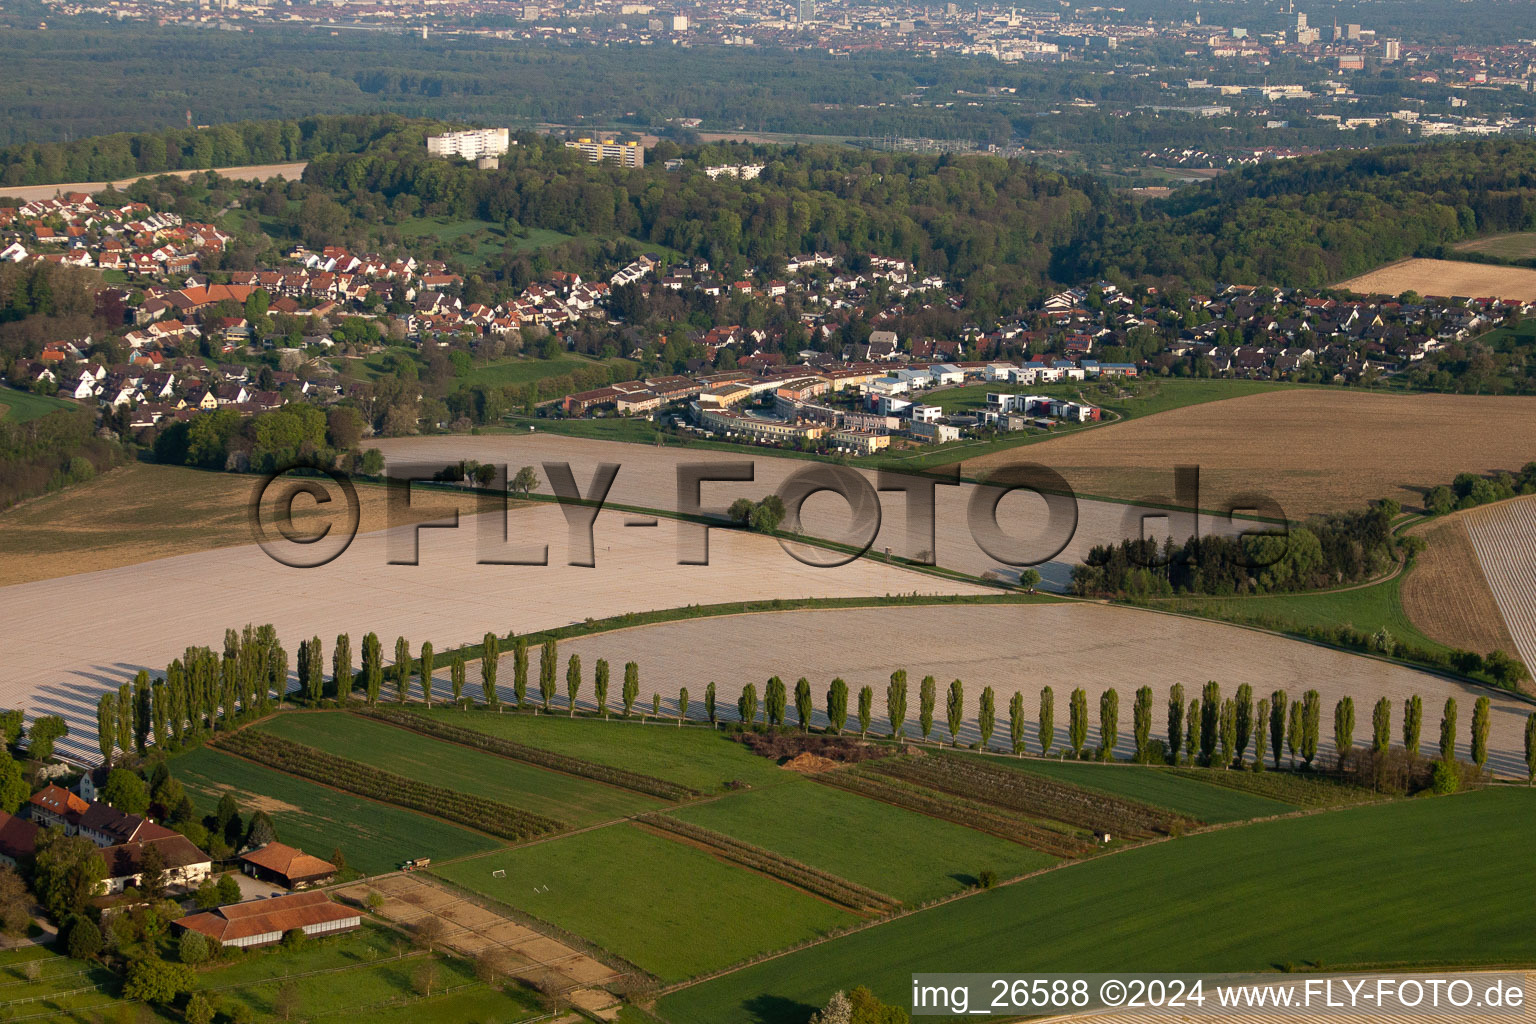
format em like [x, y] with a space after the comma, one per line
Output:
[471, 145]
[807, 11]
[625, 154]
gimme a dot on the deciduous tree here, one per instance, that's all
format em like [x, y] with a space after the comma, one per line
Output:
[1277, 721]
[1141, 722]
[955, 710]
[1210, 721]
[1175, 721]
[1016, 722]
[106, 725]
[1227, 733]
[1448, 731]
[1244, 701]
[1381, 726]
[490, 658]
[456, 674]
[1109, 723]
[746, 704]
[1260, 735]
[927, 701]
[986, 716]
[1047, 720]
[1077, 721]
[775, 701]
[1344, 727]
[572, 684]
[866, 709]
[682, 706]
[1480, 712]
[373, 667]
[805, 703]
[1312, 722]
[341, 666]
[402, 668]
[600, 685]
[837, 705]
[896, 701]
[426, 666]
[549, 661]
[631, 686]
[520, 670]
[709, 703]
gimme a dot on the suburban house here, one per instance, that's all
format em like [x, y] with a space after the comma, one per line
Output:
[263, 922]
[285, 865]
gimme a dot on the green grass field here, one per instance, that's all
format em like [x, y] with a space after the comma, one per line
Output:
[667, 907]
[1429, 881]
[701, 758]
[1369, 608]
[21, 406]
[572, 800]
[525, 371]
[1518, 246]
[900, 853]
[358, 971]
[1210, 804]
[374, 837]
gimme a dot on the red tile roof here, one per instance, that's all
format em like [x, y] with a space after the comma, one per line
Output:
[261, 917]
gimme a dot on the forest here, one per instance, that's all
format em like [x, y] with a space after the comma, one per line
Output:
[1309, 222]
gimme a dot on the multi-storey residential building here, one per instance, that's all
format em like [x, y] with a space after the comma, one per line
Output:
[471, 145]
[625, 154]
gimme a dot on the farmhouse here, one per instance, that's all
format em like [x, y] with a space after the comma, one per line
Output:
[285, 865]
[263, 922]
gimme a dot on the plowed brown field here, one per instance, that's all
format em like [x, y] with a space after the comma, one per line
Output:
[1447, 596]
[1504, 536]
[1446, 278]
[1312, 450]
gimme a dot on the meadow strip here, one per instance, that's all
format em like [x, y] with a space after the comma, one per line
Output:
[487, 816]
[813, 880]
[957, 810]
[439, 729]
[1032, 794]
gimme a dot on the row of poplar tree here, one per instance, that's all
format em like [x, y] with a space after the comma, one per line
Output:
[202, 693]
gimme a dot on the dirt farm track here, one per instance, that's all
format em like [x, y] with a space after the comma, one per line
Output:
[251, 172]
[1446, 279]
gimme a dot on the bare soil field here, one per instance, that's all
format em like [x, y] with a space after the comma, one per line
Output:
[250, 172]
[144, 615]
[472, 930]
[1446, 279]
[1023, 648]
[648, 478]
[1312, 450]
[1504, 536]
[141, 512]
[1447, 597]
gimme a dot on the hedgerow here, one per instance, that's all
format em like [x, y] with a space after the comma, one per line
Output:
[475, 812]
[813, 880]
[621, 777]
[1033, 795]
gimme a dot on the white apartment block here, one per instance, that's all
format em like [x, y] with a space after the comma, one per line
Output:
[471, 145]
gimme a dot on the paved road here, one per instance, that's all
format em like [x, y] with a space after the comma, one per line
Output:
[261, 172]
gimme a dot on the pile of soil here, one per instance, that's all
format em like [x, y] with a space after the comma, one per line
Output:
[808, 763]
